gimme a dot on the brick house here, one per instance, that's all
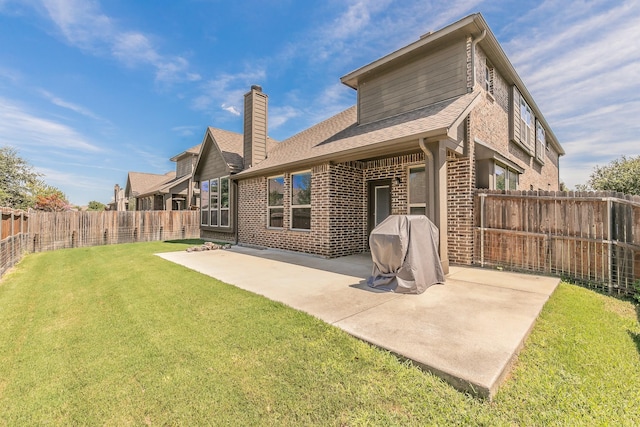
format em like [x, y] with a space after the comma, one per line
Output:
[174, 190]
[434, 120]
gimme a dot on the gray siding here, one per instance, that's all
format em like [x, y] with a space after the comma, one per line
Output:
[183, 166]
[430, 78]
[213, 165]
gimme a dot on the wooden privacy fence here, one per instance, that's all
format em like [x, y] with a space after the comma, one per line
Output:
[589, 237]
[14, 237]
[46, 231]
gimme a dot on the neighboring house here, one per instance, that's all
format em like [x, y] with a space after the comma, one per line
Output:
[434, 121]
[171, 191]
[120, 201]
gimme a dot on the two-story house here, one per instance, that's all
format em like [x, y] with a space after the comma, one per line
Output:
[434, 120]
[174, 190]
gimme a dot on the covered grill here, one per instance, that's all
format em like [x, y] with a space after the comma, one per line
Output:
[404, 249]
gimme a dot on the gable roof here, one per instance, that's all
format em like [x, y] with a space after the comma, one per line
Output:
[139, 183]
[230, 145]
[341, 136]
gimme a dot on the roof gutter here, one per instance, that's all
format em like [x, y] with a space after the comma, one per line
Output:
[474, 42]
[349, 155]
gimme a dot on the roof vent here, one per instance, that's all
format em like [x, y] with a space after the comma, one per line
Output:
[257, 88]
[426, 35]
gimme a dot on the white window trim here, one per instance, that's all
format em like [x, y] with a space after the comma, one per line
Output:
[269, 207]
[292, 206]
[409, 203]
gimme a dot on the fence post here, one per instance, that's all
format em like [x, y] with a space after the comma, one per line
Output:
[482, 199]
[610, 242]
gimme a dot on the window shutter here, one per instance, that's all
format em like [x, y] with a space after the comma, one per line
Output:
[514, 117]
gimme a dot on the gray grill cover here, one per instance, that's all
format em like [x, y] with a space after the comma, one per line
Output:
[404, 249]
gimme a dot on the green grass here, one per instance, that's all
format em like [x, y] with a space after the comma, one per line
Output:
[114, 335]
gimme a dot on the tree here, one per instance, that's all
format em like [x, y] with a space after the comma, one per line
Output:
[49, 198]
[622, 175]
[96, 206]
[17, 178]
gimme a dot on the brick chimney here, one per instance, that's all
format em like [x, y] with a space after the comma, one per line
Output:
[255, 126]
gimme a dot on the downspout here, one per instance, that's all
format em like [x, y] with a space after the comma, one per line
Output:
[235, 211]
[429, 163]
[473, 57]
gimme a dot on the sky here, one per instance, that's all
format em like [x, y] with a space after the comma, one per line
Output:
[90, 90]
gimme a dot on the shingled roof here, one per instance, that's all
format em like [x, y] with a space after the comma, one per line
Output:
[231, 144]
[341, 134]
[139, 183]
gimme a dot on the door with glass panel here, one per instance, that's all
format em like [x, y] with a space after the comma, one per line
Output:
[379, 202]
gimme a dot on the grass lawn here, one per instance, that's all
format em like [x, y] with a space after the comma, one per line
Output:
[114, 335]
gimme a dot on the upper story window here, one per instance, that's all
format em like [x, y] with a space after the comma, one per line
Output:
[541, 142]
[417, 190]
[301, 201]
[488, 78]
[204, 202]
[275, 202]
[521, 122]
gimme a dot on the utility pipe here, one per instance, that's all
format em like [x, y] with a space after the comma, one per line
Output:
[474, 42]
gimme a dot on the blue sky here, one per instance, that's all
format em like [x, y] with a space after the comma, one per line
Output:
[90, 90]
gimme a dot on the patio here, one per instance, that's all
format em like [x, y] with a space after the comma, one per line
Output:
[467, 331]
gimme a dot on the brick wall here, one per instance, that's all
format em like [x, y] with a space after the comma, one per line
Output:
[338, 207]
[217, 236]
[460, 191]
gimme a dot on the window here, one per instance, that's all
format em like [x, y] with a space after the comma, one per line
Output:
[541, 142]
[505, 178]
[275, 202]
[213, 189]
[488, 78]
[526, 123]
[301, 201]
[417, 190]
[204, 203]
[224, 201]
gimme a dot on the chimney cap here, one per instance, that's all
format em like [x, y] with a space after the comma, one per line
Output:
[257, 88]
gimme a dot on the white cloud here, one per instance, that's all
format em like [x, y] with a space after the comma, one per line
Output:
[227, 90]
[231, 109]
[19, 127]
[185, 130]
[83, 25]
[581, 63]
[70, 106]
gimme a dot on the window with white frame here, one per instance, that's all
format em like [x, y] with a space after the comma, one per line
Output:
[224, 201]
[204, 202]
[214, 190]
[526, 123]
[541, 142]
[488, 78]
[417, 190]
[301, 201]
[275, 202]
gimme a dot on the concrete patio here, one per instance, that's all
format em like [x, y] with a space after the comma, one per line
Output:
[467, 331]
